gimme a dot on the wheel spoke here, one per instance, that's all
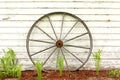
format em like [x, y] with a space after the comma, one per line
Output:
[76, 37]
[64, 59]
[77, 46]
[49, 56]
[70, 30]
[42, 50]
[58, 51]
[62, 25]
[73, 55]
[52, 26]
[45, 33]
[41, 41]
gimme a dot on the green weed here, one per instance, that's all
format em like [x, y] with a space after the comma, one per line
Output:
[38, 66]
[9, 65]
[1, 75]
[114, 73]
[60, 63]
[97, 59]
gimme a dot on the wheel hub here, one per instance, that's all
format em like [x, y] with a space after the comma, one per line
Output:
[59, 43]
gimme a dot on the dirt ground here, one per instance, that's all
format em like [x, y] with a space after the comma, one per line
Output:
[76, 75]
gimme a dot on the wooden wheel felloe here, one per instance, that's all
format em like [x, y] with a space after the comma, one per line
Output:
[59, 33]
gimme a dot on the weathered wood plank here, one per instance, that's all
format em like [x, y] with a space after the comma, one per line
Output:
[104, 56]
[64, 0]
[93, 30]
[73, 11]
[23, 36]
[105, 49]
[105, 64]
[23, 43]
[70, 5]
[86, 18]
[28, 24]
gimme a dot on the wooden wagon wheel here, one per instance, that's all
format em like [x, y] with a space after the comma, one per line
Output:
[59, 33]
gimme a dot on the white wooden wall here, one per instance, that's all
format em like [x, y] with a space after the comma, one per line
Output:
[101, 16]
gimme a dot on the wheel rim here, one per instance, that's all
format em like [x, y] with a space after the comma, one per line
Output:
[65, 32]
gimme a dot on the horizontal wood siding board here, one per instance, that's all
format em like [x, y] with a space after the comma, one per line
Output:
[96, 43]
[95, 36]
[93, 30]
[73, 11]
[86, 18]
[70, 5]
[28, 24]
[99, 1]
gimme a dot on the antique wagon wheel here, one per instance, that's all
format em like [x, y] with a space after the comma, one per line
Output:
[59, 34]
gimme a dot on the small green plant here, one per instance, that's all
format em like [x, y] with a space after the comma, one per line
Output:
[97, 59]
[38, 66]
[9, 65]
[60, 63]
[114, 73]
[17, 71]
[1, 75]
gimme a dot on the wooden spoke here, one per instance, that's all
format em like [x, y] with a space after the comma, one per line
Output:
[41, 41]
[76, 46]
[52, 27]
[70, 30]
[62, 25]
[64, 59]
[45, 33]
[49, 56]
[73, 55]
[76, 37]
[42, 50]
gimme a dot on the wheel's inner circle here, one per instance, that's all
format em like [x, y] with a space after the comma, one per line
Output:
[59, 43]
